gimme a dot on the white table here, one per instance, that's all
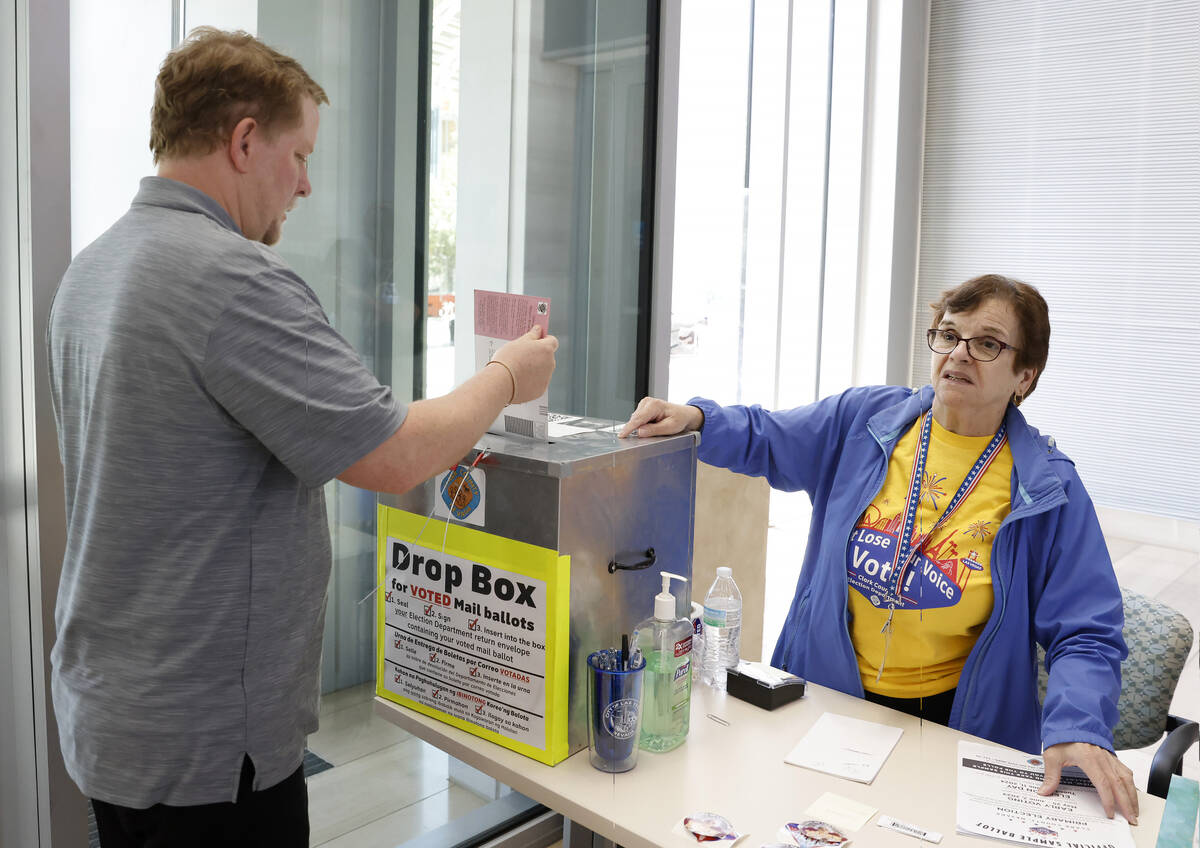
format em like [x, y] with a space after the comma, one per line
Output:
[739, 772]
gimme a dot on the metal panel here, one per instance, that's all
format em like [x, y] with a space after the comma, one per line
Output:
[529, 499]
[18, 793]
[596, 499]
[618, 512]
[670, 12]
[43, 141]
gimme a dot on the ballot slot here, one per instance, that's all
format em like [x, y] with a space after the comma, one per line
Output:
[588, 497]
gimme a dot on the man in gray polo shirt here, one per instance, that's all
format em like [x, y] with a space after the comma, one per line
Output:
[202, 401]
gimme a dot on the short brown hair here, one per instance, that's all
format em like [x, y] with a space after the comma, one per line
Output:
[215, 79]
[1033, 316]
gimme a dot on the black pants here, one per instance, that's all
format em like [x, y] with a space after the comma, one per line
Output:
[275, 816]
[935, 708]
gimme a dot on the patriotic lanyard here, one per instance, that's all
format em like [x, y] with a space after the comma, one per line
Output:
[907, 548]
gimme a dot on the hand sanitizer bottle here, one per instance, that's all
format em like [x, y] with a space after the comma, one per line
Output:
[666, 643]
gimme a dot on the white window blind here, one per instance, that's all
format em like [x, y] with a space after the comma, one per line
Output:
[1062, 147]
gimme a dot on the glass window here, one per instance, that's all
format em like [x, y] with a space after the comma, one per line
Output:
[750, 207]
[441, 241]
[554, 134]
[750, 227]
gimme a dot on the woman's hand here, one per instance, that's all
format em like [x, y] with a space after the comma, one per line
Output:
[1112, 779]
[654, 417]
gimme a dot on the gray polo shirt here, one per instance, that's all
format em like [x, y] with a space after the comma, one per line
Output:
[202, 401]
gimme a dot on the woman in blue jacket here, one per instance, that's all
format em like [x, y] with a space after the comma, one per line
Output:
[947, 536]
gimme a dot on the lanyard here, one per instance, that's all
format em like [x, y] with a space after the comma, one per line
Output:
[907, 547]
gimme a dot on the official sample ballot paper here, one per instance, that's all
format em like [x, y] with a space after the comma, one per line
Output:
[998, 797]
[845, 747]
[501, 317]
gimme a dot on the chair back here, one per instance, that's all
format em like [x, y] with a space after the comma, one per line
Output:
[1159, 640]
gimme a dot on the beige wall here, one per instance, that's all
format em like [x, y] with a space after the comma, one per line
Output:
[731, 529]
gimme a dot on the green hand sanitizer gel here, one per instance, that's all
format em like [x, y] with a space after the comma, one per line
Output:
[666, 643]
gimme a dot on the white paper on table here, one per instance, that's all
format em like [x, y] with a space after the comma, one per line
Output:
[845, 747]
[998, 797]
[501, 317]
[839, 811]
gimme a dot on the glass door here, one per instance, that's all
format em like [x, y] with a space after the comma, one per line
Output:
[493, 144]
[540, 172]
[497, 144]
[359, 242]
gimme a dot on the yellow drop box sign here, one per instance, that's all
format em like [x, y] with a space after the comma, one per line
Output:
[474, 630]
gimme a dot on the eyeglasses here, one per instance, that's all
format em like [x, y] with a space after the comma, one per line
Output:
[981, 348]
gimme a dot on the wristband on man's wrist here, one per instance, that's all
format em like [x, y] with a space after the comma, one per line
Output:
[511, 376]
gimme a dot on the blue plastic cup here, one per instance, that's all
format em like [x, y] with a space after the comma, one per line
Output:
[614, 715]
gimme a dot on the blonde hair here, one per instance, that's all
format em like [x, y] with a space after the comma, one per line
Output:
[215, 79]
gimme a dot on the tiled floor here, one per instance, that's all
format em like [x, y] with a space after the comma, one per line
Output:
[387, 787]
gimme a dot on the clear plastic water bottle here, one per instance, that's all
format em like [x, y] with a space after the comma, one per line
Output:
[697, 620]
[722, 629]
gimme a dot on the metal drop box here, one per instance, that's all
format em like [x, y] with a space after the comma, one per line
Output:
[600, 500]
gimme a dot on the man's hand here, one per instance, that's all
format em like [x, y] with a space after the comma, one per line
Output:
[654, 417]
[438, 432]
[1112, 779]
[530, 360]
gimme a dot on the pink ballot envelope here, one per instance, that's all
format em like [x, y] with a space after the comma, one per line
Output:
[501, 317]
[504, 316]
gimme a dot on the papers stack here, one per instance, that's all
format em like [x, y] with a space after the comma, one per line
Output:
[845, 747]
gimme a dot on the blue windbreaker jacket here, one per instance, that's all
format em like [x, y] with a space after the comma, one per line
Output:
[1052, 575]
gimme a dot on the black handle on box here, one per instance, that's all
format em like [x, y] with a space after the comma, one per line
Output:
[615, 566]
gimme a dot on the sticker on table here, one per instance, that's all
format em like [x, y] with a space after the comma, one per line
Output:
[816, 834]
[707, 827]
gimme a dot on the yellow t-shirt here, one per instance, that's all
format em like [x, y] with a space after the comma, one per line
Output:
[947, 596]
